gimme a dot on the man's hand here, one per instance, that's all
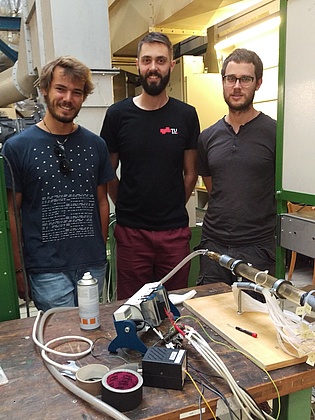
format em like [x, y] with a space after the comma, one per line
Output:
[22, 287]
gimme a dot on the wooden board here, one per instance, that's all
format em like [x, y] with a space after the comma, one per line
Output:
[219, 312]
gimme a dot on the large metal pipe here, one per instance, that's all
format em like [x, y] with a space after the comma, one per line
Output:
[280, 287]
[15, 85]
[17, 82]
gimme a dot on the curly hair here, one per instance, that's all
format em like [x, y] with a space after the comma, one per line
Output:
[72, 68]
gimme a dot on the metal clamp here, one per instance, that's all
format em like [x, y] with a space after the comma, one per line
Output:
[234, 265]
[275, 287]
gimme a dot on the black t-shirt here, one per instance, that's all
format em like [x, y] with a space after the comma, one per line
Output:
[241, 208]
[151, 147]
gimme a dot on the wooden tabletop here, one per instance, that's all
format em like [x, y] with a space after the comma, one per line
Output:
[33, 393]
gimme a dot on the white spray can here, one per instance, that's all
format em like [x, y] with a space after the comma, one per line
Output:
[88, 299]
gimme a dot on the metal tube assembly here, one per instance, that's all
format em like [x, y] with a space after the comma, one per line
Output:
[280, 287]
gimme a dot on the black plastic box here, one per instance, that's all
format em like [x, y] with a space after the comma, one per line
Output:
[164, 368]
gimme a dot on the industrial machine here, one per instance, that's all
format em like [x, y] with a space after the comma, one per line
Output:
[147, 308]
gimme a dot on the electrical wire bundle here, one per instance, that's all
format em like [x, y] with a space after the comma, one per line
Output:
[243, 399]
[206, 384]
[291, 328]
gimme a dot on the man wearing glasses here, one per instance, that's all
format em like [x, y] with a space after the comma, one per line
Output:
[236, 158]
[56, 175]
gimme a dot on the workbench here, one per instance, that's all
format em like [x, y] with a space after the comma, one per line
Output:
[33, 393]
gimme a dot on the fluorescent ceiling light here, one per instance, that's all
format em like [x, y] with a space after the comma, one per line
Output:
[249, 33]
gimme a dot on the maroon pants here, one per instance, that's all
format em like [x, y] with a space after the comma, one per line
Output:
[145, 256]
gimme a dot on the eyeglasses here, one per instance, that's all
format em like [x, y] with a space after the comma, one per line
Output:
[245, 81]
[64, 164]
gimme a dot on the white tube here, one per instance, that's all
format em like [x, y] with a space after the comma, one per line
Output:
[46, 347]
[182, 263]
[93, 401]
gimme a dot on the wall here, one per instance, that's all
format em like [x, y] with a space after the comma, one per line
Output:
[266, 45]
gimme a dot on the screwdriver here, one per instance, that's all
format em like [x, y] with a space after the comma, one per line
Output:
[252, 334]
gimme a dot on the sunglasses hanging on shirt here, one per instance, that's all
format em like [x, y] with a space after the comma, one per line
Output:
[60, 153]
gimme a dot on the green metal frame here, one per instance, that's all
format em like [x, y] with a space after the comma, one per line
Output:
[194, 262]
[110, 292]
[9, 303]
[283, 196]
[295, 406]
[298, 404]
[281, 203]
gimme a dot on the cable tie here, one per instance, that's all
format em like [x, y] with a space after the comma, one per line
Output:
[170, 346]
[261, 272]
[158, 333]
[190, 333]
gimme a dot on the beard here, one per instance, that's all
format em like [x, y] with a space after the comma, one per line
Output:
[55, 115]
[154, 89]
[244, 106]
